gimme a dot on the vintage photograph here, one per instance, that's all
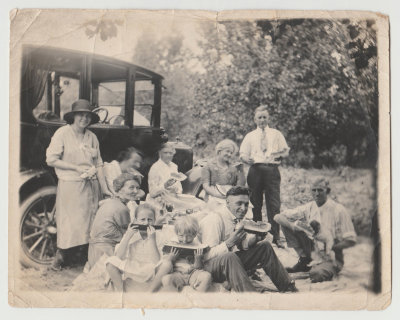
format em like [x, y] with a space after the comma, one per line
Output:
[197, 159]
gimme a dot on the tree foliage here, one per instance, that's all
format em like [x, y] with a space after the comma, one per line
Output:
[317, 77]
[105, 28]
[170, 58]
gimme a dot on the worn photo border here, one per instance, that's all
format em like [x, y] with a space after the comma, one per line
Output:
[244, 301]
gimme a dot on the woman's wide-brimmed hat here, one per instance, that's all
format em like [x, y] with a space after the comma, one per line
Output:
[81, 105]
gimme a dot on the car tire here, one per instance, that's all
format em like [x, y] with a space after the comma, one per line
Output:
[38, 231]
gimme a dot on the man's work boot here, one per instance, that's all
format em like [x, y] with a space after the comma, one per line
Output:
[300, 266]
[291, 287]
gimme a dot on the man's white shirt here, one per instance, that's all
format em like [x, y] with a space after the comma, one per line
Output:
[275, 143]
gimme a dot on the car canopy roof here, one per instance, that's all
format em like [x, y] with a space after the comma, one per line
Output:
[69, 62]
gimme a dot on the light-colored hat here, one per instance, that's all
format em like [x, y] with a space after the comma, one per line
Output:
[81, 105]
[226, 144]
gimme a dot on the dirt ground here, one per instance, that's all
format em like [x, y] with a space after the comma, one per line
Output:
[353, 188]
[356, 275]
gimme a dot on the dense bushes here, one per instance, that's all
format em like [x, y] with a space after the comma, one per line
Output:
[319, 78]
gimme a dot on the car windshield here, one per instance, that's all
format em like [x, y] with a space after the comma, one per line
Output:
[112, 105]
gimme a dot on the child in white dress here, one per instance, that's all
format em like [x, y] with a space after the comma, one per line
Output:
[136, 262]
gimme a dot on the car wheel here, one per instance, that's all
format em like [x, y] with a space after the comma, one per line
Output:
[38, 232]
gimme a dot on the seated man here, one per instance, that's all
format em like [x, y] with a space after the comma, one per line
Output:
[129, 160]
[225, 261]
[335, 224]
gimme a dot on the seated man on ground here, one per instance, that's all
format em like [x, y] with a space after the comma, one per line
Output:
[186, 270]
[233, 251]
[322, 219]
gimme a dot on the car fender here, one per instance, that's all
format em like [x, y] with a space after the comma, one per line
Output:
[32, 180]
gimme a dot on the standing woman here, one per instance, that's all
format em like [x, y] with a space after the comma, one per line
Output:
[75, 154]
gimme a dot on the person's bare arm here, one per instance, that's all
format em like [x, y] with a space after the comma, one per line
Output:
[212, 191]
[283, 221]
[246, 159]
[154, 253]
[344, 244]
[121, 248]
[235, 237]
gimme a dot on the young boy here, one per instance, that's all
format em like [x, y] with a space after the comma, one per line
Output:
[187, 272]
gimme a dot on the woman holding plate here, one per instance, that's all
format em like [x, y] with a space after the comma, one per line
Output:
[165, 186]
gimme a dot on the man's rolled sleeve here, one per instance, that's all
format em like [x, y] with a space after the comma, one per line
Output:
[346, 226]
[282, 144]
[295, 214]
[245, 147]
[216, 251]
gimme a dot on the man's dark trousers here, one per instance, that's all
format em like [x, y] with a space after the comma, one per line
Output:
[233, 266]
[265, 180]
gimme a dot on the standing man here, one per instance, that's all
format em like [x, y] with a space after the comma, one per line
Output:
[263, 149]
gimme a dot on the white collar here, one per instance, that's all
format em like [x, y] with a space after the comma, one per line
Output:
[327, 202]
[261, 130]
[160, 161]
[229, 214]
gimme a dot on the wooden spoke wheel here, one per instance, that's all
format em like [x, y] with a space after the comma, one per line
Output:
[38, 231]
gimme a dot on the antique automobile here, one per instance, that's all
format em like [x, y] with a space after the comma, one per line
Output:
[127, 98]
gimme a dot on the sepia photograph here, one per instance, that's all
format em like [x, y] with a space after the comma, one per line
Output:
[180, 159]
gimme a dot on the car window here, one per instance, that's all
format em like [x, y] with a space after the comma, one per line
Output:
[59, 94]
[144, 101]
[69, 94]
[112, 102]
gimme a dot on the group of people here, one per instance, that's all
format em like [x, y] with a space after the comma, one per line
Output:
[100, 209]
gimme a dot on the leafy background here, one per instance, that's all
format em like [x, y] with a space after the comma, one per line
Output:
[318, 78]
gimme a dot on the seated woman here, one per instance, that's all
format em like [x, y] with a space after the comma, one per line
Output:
[219, 174]
[112, 218]
[164, 185]
[129, 160]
